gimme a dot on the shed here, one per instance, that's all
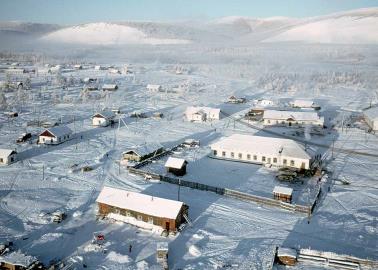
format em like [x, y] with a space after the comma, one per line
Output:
[102, 119]
[55, 135]
[142, 152]
[371, 118]
[140, 209]
[154, 87]
[18, 261]
[177, 166]
[283, 193]
[109, 87]
[287, 256]
[7, 156]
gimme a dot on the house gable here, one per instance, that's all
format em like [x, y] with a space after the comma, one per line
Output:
[47, 133]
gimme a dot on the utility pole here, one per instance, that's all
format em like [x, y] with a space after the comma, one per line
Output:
[333, 145]
[178, 191]
[43, 172]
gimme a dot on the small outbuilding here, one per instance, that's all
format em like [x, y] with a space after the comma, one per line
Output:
[284, 194]
[109, 87]
[55, 135]
[177, 166]
[141, 210]
[7, 156]
[103, 119]
[287, 256]
[142, 152]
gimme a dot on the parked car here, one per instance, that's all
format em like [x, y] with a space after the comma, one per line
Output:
[24, 137]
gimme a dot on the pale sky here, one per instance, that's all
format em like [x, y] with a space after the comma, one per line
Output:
[82, 11]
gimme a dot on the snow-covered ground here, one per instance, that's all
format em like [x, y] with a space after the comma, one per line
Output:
[225, 232]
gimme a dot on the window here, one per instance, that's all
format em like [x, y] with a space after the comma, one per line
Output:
[248, 156]
[284, 162]
[292, 163]
[215, 152]
[269, 121]
[43, 139]
[232, 154]
[223, 154]
[240, 156]
[139, 217]
[274, 160]
[128, 214]
[1, 160]
[12, 159]
[263, 159]
[117, 211]
[150, 220]
[254, 157]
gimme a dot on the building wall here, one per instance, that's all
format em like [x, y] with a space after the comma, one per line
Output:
[158, 221]
[178, 172]
[372, 124]
[54, 140]
[271, 122]
[99, 121]
[8, 160]
[279, 161]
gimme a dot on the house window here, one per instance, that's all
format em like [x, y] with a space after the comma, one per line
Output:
[150, 220]
[43, 139]
[263, 159]
[128, 214]
[274, 160]
[254, 157]
[215, 152]
[248, 156]
[117, 211]
[283, 122]
[232, 154]
[284, 162]
[240, 156]
[59, 139]
[1, 160]
[223, 154]
[139, 217]
[268, 121]
[292, 163]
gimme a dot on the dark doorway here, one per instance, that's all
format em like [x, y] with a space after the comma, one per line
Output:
[167, 226]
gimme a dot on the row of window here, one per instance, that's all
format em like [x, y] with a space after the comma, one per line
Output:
[263, 158]
[284, 122]
[138, 217]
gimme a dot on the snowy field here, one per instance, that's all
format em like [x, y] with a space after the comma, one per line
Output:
[225, 233]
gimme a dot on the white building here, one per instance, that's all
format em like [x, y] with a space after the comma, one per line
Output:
[371, 118]
[109, 87]
[7, 156]
[78, 66]
[261, 150]
[304, 104]
[15, 71]
[102, 119]
[55, 135]
[202, 114]
[264, 102]
[98, 67]
[290, 118]
[154, 87]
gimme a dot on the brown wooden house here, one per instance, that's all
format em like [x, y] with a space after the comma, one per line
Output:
[287, 256]
[140, 209]
[142, 152]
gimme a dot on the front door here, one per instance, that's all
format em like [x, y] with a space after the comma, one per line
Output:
[167, 226]
[269, 160]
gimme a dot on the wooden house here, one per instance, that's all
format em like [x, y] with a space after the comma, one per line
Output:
[7, 156]
[177, 166]
[18, 261]
[109, 87]
[371, 118]
[287, 256]
[275, 152]
[103, 119]
[154, 87]
[141, 210]
[284, 194]
[292, 118]
[142, 152]
[55, 135]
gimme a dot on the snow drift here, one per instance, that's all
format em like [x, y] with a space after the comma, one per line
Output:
[105, 34]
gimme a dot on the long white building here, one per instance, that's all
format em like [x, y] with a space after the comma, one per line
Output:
[292, 118]
[262, 150]
[371, 118]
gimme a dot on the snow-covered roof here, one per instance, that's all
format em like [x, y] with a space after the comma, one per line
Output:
[302, 103]
[298, 116]
[153, 86]
[59, 131]
[105, 114]
[145, 149]
[372, 113]
[109, 86]
[141, 203]
[283, 190]
[175, 163]
[261, 145]
[207, 110]
[287, 252]
[18, 258]
[6, 152]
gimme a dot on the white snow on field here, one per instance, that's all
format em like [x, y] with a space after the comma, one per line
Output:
[105, 34]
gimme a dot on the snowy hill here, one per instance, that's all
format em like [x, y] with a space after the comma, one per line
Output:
[354, 27]
[106, 34]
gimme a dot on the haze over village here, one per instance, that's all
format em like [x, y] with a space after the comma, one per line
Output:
[174, 135]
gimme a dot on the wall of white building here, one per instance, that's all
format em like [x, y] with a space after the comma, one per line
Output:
[6, 160]
[54, 140]
[271, 122]
[100, 121]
